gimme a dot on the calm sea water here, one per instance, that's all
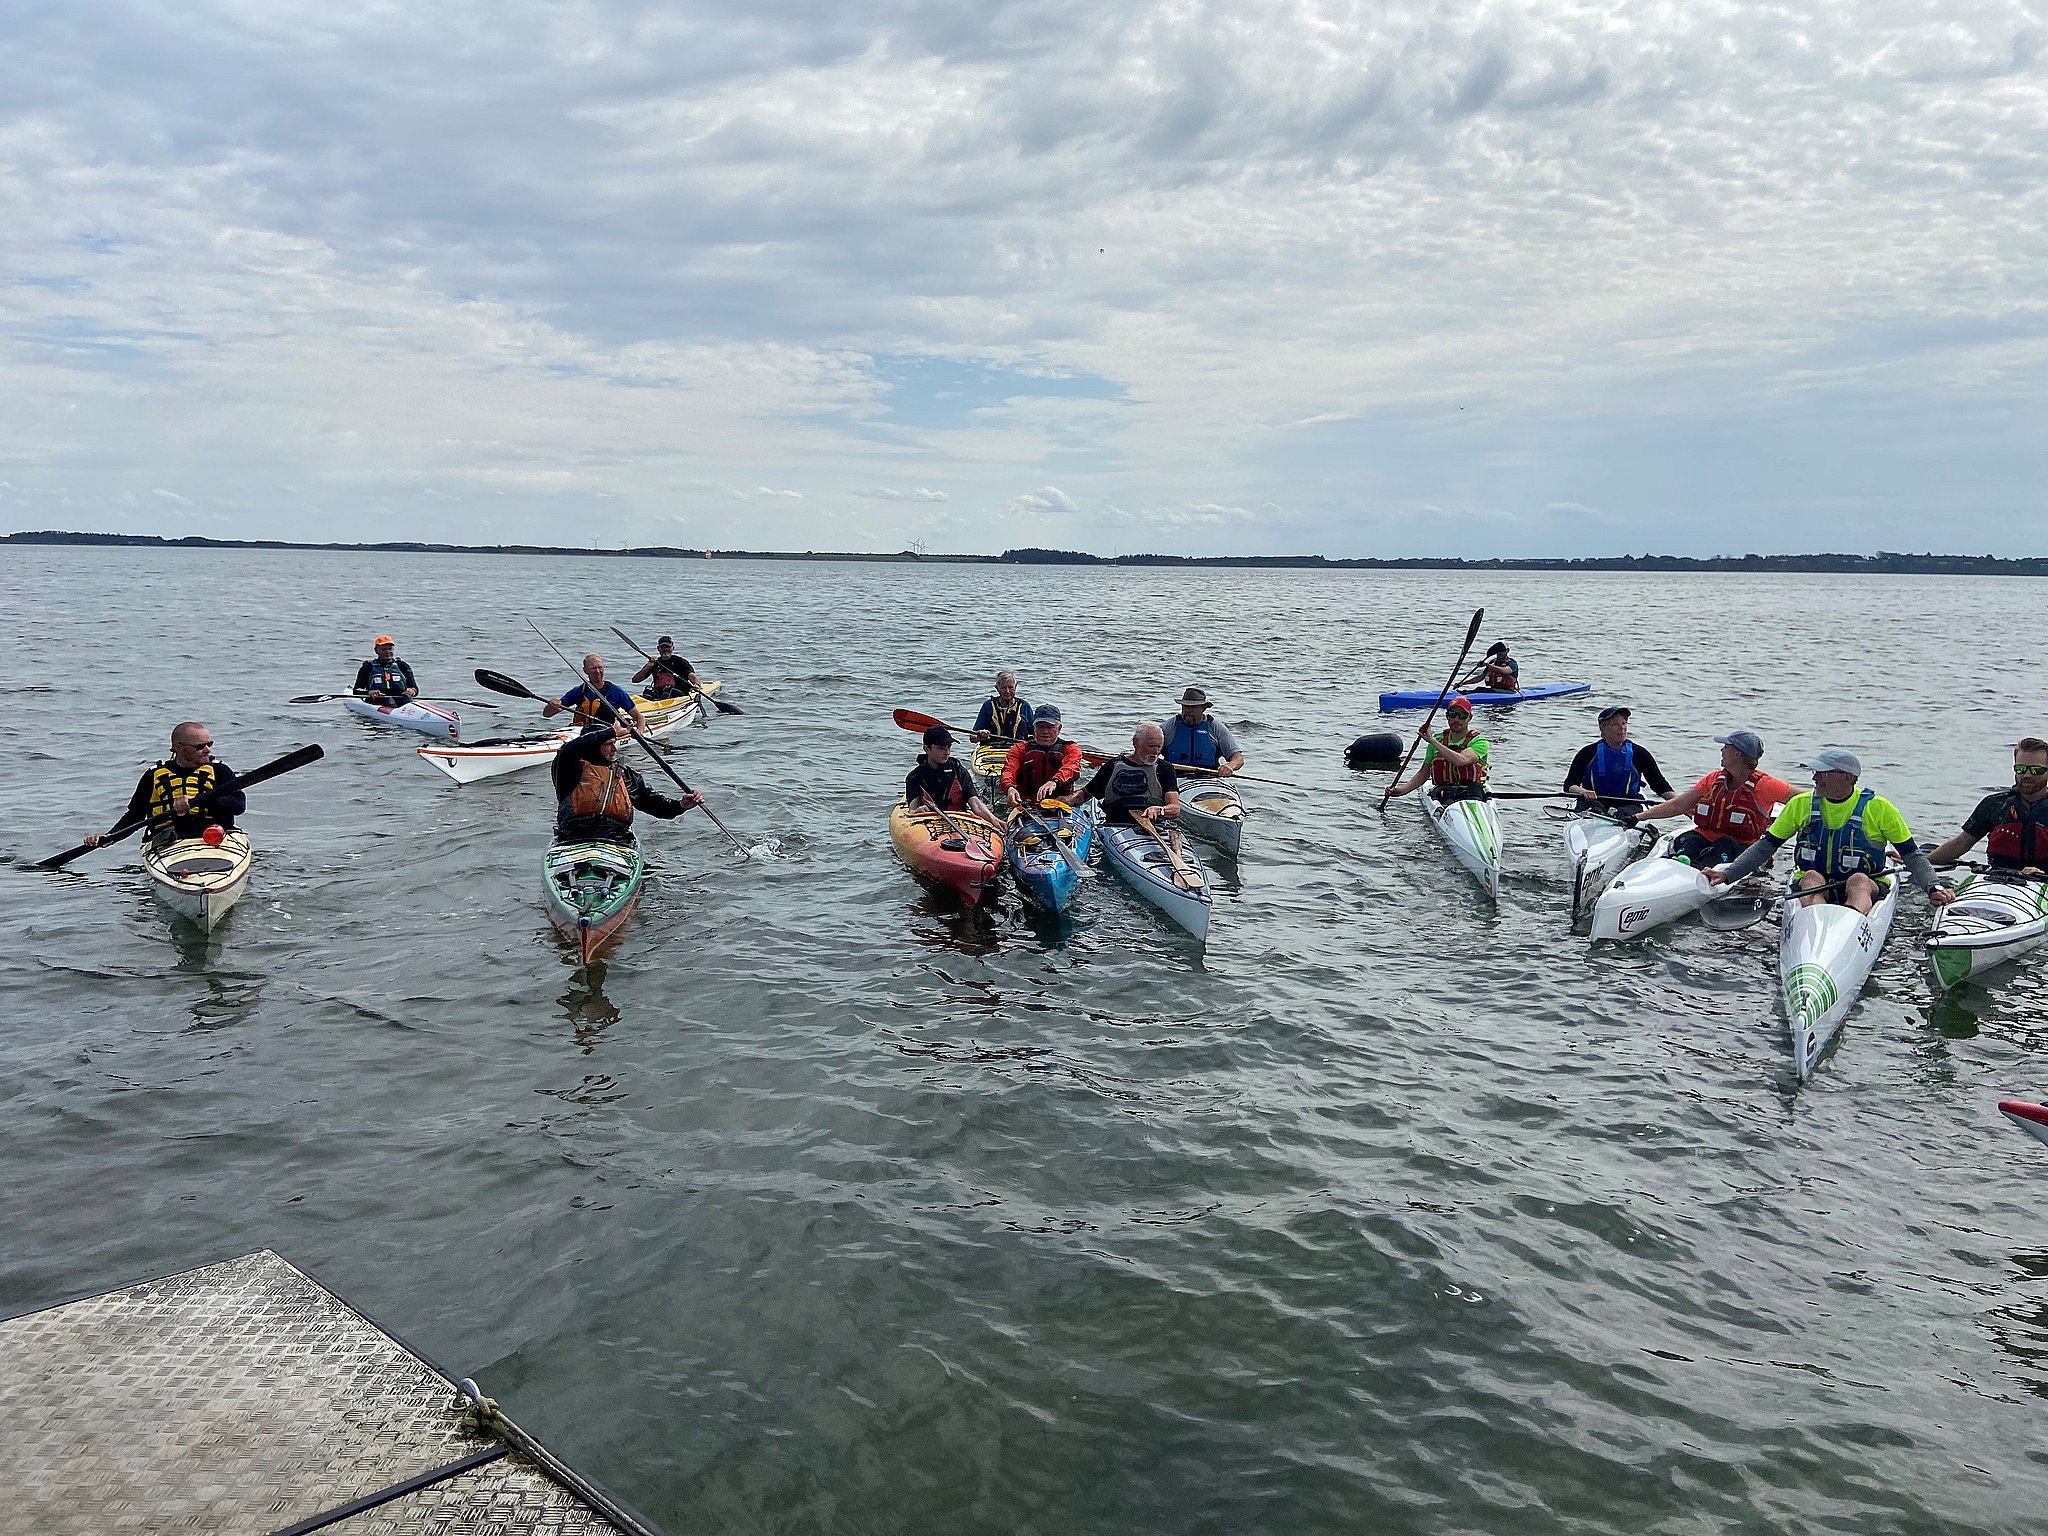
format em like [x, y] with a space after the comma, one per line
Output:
[830, 1208]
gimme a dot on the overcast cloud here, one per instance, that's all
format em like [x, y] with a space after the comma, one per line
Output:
[1462, 278]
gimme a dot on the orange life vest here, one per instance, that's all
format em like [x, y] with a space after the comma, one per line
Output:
[1731, 813]
[602, 792]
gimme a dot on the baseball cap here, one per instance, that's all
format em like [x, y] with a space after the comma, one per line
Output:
[382, 640]
[938, 736]
[665, 640]
[1748, 743]
[1612, 710]
[1458, 701]
[1835, 760]
[1049, 712]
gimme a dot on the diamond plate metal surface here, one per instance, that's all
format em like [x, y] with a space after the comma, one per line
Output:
[234, 1400]
[506, 1498]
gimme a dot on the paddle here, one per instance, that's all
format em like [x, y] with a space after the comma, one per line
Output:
[917, 720]
[1726, 914]
[698, 694]
[425, 698]
[297, 758]
[1052, 834]
[518, 689]
[1471, 634]
[1183, 874]
[1096, 759]
[1991, 869]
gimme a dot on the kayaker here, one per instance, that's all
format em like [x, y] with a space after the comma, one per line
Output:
[939, 782]
[386, 680]
[1045, 767]
[169, 791]
[596, 794]
[585, 697]
[1453, 760]
[667, 675]
[1610, 773]
[1842, 836]
[1138, 785]
[2015, 820]
[1004, 716]
[1193, 740]
[1730, 807]
[1497, 672]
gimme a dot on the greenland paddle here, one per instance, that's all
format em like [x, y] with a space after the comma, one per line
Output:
[1176, 858]
[1096, 759]
[660, 761]
[1450, 682]
[297, 758]
[698, 694]
[424, 698]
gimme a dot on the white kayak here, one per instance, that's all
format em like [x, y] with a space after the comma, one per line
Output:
[427, 719]
[197, 880]
[2031, 1118]
[488, 759]
[1472, 830]
[1211, 810]
[1136, 855]
[1659, 890]
[1993, 921]
[1824, 956]
[1596, 849]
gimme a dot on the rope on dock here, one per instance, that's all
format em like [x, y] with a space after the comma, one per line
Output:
[483, 1414]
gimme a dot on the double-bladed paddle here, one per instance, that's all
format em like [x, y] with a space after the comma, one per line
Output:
[1471, 634]
[1726, 914]
[297, 758]
[916, 720]
[1029, 813]
[425, 698]
[698, 694]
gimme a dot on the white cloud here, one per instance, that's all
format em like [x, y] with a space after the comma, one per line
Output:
[890, 493]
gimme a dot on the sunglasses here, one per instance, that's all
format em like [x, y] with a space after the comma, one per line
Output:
[2030, 770]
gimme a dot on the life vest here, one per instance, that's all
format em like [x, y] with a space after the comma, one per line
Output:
[1008, 719]
[670, 672]
[1443, 772]
[959, 784]
[587, 705]
[1843, 851]
[1191, 746]
[2020, 840]
[385, 679]
[1039, 766]
[1133, 785]
[168, 780]
[1735, 814]
[601, 791]
[1614, 774]
[1503, 677]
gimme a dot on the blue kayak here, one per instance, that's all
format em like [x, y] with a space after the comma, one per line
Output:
[1422, 698]
[1047, 880]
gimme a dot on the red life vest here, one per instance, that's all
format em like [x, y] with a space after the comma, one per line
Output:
[2020, 840]
[1443, 771]
[1038, 766]
[601, 792]
[1735, 814]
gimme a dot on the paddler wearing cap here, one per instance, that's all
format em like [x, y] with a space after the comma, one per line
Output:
[1612, 772]
[169, 790]
[1046, 767]
[940, 781]
[1730, 807]
[1454, 761]
[1194, 740]
[1842, 835]
[1497, 672]
[667, 675]
[386, 679]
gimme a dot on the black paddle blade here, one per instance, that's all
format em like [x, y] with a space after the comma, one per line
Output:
[297, 758]
[498, 682]
[1471, 634]
[629, 641]
[1732, 912]
[316, 698]
[723, 707]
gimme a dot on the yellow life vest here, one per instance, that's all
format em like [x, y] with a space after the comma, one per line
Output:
[168, 781]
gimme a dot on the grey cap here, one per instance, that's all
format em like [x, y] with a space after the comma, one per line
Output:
[1835, 760]
[1046, 712]
[1748, 743]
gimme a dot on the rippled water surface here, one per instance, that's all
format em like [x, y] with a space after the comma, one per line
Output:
[829, 1207]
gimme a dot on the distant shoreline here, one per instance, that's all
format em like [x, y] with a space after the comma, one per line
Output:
[1888, 564]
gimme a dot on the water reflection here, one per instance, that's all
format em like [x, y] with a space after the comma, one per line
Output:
[589, 1011]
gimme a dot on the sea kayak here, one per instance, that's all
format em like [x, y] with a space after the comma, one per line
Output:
[968, 864]
[1182, 895]
[592, 888]
[1423, 698]
[1658, 890]
[987, 767]
[475, 760]
[1824, 956]
[1596, 849]
[427, 719]
[1211, 810]
[1472, 830]
[1048, 880]
[1994, 920]
[2031, 1118]
[196, 880]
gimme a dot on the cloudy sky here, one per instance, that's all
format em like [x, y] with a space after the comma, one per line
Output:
[1550, 277]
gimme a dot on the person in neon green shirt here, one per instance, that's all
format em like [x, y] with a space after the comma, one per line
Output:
[1454, 761]
[1843, 849]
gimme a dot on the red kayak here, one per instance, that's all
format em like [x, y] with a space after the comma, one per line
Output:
[967, 864]
[2031, 1118]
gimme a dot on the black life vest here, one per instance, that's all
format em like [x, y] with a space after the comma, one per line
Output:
[385, 677]
[1132, 786]
[954, 784]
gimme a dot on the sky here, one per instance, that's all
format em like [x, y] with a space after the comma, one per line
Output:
[1550, 278]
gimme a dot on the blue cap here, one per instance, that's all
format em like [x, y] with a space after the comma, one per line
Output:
[1049, 712]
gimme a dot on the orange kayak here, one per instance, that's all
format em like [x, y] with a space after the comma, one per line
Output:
[968, 864]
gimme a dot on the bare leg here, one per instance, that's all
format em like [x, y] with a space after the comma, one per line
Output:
[1811, 881]
[1860, 893]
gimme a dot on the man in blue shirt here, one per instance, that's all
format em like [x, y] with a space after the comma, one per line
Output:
[589, 698]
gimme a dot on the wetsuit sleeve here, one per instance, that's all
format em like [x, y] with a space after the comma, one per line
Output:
[646, 797]
[1752, 858]
[362, 679]
[410, 681]
[138, 803]
[1917, 866]
[914, 785]
[1652, 772]
[1989, 813]
[1581, 770]
[226, 797]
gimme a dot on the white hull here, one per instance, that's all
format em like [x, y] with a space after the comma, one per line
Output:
[197, 882]
[1472, 831]
[1825, 954]
[1212, 812]
[1992, 922]
[427, 719]
[1135, 855]
[1647, 895]
[2031, 1118]
[466, 765]
[1596, 849]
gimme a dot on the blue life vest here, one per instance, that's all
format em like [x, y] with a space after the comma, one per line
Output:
[387, 679]
[1191, 746]
[1842, 852]
[1614, 773]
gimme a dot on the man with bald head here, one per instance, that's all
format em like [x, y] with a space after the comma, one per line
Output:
[590, 698]
[186, 794]
[1137, 785]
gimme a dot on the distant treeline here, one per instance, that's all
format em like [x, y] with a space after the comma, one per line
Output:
[1885, 563]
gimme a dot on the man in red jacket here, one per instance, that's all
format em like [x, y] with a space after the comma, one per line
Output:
[1045, 767]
